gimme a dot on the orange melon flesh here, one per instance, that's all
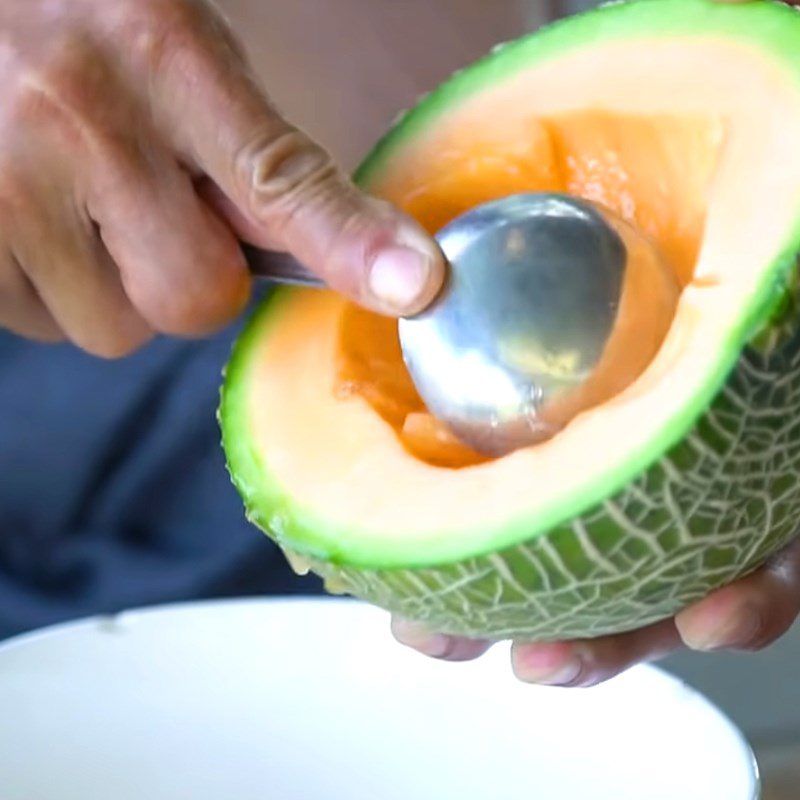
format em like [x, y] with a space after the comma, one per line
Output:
[680, 138]
[371, 360]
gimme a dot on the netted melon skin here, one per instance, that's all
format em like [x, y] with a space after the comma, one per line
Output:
[713, 509]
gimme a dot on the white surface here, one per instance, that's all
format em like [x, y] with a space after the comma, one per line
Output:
[305, 700]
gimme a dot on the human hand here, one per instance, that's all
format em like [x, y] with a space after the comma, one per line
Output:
[747, 615]
[135, 147]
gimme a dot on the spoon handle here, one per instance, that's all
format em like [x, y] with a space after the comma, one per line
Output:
[279, 267]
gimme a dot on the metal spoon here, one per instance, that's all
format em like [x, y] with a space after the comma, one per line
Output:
[528, 306]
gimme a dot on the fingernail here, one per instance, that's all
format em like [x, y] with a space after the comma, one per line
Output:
[399, 277]
[736, 630]
[436, 645]
[545, 667]
[416, 636]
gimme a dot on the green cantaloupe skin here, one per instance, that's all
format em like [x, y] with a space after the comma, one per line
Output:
[707, 501]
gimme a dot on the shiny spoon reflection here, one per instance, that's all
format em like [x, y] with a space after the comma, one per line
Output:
[531, 326]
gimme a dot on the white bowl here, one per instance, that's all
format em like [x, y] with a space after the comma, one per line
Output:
[312, 700]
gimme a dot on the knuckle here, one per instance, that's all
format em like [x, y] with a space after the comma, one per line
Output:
[761, 642]
[280, 175]
[61, 75]
[163, 32]
[161, 14]
[61, 90]
[125, 173]
[775, 625]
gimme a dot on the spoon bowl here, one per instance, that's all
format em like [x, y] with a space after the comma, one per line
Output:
[532, 325]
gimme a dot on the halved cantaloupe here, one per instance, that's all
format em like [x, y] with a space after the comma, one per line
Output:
[684, 118]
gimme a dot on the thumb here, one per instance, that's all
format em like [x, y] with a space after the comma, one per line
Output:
[281, 190]
[359, 245]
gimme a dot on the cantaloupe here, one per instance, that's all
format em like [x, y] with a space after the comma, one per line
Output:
[683, 117]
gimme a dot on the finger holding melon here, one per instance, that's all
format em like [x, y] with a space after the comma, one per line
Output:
[681, 117]
[746, 615]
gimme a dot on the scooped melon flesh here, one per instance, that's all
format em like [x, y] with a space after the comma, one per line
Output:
[684, 118]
